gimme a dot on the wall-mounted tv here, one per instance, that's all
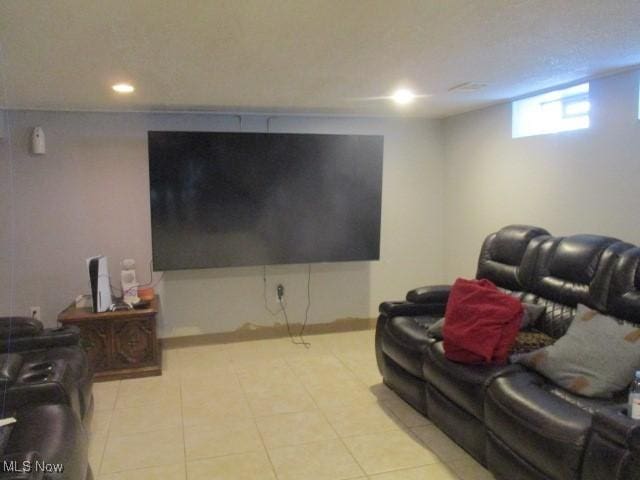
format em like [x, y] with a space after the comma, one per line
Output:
[221, 199]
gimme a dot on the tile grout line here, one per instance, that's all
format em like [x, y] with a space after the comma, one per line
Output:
[106, 442]
[108, 433]
[255, 423]
[326, 419]
[393, 415]
[113, 435]
[184, 439]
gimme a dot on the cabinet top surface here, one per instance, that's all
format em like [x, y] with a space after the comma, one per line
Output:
[73, 314]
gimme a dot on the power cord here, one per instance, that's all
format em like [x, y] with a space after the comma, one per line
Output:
[302, 341]
[264, 293]
[283, 308]
[306, 311]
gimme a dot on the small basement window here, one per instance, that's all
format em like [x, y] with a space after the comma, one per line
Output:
[552, 112]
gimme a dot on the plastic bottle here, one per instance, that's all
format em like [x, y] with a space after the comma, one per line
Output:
[634, 398]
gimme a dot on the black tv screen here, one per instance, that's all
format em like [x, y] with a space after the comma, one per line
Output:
[231, 199]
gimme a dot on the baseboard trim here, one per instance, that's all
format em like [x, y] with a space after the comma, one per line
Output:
[249, 331]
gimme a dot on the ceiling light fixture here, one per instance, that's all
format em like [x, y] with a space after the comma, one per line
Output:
[123, 88]
[402, 96]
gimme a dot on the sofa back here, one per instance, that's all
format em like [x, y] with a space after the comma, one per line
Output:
[560, 272]
[567, 271]
[502, 253]
[624, 292]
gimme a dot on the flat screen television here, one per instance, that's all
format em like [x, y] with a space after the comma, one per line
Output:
[222, 199]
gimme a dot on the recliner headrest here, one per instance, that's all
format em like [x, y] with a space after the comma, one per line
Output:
[576, 258]
[575, 269]
[624, 294]
[510, 243]
[502, 253]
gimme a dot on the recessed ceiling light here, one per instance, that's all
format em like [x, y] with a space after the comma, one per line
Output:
[123, 88]
[402, 96]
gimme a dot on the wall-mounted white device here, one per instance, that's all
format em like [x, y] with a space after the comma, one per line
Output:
[129, 281]
[38, 146]
[100, 287]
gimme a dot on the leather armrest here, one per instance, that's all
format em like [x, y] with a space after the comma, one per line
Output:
[19, 327]
[408, 309]
[429, 294]
[10, 365]
[48, 338]
[614, 424]
[40, 383]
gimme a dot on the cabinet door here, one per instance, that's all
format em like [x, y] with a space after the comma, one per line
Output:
[95, 338]
[134, 342]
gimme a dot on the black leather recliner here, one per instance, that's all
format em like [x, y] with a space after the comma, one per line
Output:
[514, 421]
[46, 383]
[48, 433]
[35, 360]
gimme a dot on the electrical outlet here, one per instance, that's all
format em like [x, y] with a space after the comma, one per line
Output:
[280, 291]
[34, 312]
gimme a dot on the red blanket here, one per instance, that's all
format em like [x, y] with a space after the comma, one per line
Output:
[481, 322]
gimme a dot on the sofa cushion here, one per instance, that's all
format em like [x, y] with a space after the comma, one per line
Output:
[463, 384]
[597, 357]
[549, 431]
[405, 340]
[556, 318]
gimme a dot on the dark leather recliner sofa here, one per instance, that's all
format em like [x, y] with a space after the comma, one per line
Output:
[46, 384]
[37, 362]
[512, 420]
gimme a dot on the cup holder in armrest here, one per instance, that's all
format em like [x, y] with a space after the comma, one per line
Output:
[35, 377]
[42, 367]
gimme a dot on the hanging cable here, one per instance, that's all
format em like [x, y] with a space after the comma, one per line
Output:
[302, 341]
[306, 311]
[283, 310]
[264, 293]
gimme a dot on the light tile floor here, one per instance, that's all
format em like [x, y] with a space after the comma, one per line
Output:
[269, 409]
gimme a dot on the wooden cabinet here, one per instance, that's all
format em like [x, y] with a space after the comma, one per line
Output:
[119, 344]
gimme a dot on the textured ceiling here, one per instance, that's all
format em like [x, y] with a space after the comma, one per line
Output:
[304, 55]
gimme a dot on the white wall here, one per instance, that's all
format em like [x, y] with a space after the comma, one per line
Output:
[575, 182]
[446, 185]
[5, 220]
[89, 194]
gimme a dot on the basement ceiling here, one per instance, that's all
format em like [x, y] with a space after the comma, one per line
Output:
[311, 56]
